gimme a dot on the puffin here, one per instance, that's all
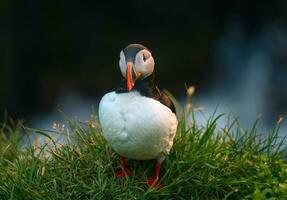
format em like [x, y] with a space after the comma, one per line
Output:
[138, 120]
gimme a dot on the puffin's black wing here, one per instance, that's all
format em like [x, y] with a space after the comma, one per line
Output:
[165, 100]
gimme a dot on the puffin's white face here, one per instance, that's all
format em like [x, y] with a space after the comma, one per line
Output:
[136, 62]
[143, 64]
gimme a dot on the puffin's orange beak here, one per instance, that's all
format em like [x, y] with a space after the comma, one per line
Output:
[131, 76]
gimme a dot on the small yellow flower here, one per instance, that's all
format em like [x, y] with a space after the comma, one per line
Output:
[190, 90]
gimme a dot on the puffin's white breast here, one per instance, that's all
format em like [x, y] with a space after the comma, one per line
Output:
[135, 126]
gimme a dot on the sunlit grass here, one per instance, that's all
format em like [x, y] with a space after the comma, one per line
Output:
[205, 163]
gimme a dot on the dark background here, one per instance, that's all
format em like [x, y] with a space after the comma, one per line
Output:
[48, 47]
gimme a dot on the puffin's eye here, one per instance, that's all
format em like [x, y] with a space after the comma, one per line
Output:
[146, 55]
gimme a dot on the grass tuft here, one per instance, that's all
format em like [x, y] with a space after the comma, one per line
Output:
[205, 163]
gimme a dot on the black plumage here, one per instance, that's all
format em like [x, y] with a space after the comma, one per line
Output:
[147, 87]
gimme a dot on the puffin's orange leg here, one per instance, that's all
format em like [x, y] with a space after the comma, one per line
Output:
[125, 170]
[154, 181]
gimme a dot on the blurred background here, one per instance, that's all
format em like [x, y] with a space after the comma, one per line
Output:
[64, 54]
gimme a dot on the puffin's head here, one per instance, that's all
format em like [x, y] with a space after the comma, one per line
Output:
[136, 62]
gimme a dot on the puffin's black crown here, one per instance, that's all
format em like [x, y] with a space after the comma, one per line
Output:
[131, 51]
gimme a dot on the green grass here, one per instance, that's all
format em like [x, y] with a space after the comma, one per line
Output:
[205, 163]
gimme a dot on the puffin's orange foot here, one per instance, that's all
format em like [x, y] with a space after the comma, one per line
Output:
[123, 173]
[154, 183]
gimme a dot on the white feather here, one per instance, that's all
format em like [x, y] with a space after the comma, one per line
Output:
[135, 126]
